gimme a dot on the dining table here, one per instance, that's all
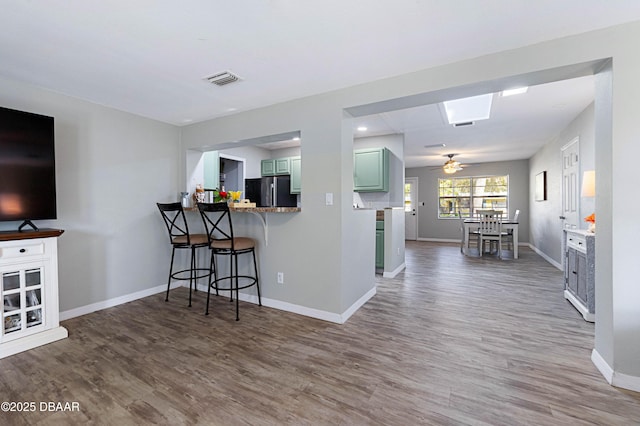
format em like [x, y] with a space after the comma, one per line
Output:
[507, 224]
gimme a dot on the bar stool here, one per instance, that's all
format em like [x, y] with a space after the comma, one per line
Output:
[176, 223]
[217, 222]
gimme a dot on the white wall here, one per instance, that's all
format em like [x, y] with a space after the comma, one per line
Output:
[111, 169]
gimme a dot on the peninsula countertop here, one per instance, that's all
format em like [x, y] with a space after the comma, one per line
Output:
[256, 209]
[265, 209]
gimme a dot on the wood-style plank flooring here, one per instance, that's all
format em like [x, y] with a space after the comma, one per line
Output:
[453, 340]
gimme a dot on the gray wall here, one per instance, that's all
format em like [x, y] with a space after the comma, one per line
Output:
[546, 227]
[430, 227]
[111, 169]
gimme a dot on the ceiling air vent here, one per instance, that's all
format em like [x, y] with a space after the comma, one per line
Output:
[466, 123]
[222, 78]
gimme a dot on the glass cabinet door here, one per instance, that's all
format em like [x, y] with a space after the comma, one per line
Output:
[22, 299]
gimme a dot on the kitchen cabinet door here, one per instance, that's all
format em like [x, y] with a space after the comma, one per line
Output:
[371, 170]
[296, 172]
[268, 167]
[380, 248]
[282, 166]
[211, 163]
[276, 166]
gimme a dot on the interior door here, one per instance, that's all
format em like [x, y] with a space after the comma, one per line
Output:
[570, 182]
[410, 208]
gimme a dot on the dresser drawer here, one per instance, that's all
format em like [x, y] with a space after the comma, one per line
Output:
[577, 242]
[21, 249]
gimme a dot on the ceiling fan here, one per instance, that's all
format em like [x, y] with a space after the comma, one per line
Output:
[451, 166]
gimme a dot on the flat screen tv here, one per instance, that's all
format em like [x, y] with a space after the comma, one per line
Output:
[27, 167]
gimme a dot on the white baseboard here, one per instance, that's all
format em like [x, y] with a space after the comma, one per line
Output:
[392, 274]
[614, 378]
[602, 366]
[306, 311]
[544, 256]
[439, 240]
[271, 303]
[98, 306]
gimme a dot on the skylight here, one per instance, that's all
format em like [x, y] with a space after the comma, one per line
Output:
[469, 109]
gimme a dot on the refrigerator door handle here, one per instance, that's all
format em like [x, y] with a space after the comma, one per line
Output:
[273, 195]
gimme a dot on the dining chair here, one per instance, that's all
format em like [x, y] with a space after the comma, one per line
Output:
[508, 234]
[222, 242]
[490, 229]
[462, 236]
[483, 212]
[180, 238]
[472, 232]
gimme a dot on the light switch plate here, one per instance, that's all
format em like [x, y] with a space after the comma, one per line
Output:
[329, 198]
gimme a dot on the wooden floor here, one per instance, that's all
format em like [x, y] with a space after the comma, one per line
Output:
[454, 340]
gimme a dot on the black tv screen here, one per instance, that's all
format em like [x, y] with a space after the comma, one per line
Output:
[27, 166]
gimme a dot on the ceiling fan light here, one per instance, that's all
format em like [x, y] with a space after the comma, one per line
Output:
[451, 167]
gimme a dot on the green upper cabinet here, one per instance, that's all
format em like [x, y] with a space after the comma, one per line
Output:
[268, 167]
[296, 171]
[283, 166]
[276, 166]
[371, 170]
[211, 164]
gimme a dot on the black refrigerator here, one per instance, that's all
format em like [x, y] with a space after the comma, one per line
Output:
[270, 191]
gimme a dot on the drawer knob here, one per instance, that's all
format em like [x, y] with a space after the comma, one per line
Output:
[23, 250]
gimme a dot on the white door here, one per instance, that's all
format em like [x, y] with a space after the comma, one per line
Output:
[410, 208]
[570, 185]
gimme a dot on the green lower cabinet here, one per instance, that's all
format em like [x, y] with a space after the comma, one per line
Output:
[380, 244]
[296, 174]
[371, 170]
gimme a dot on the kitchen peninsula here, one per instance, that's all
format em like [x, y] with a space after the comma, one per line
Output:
[260, 212]
[263, 217]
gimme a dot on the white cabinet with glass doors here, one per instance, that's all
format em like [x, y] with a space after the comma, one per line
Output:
[29, 292]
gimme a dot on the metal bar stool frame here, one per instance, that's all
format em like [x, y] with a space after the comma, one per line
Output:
[219, 227]
[176, 223]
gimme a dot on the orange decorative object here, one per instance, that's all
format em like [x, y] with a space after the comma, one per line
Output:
[591, 218]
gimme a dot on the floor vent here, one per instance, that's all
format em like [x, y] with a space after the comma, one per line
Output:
[222, 78]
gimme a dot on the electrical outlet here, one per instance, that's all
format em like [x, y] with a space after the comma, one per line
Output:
[280, 277]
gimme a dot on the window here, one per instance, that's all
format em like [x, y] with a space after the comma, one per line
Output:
[408, 202]
[469, 194]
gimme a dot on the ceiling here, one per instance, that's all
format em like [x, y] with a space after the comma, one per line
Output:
[150, 57]
[518, 127]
